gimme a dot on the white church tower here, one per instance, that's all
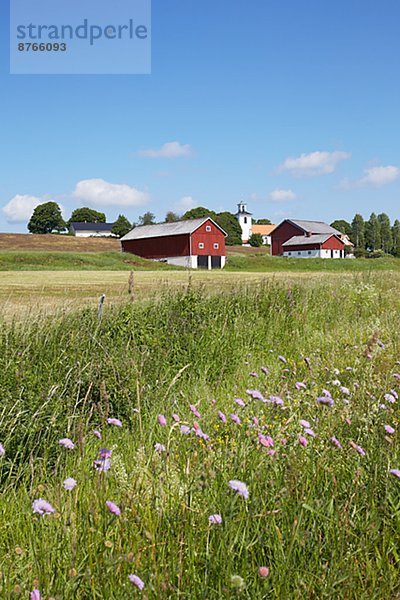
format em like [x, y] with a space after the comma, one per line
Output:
[245, 221]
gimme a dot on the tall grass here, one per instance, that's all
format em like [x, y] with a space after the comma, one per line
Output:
[324, 521]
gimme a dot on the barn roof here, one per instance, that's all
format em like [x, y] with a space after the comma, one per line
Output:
[303, 240]
[92, 226]
[167, 229]
[314, 226]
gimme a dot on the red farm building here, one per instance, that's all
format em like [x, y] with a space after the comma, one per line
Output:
[307, 239]
[195, 243]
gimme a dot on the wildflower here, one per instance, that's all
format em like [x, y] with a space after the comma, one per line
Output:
[266, 440]
[239, 487]
[282, 359]
[239, 402]
[69, 483]
[42, 507]
[35, 595]
[215, 519]
[116, 422]
[2, 451]
[201, 434]
[390, 398]
[395, 394]
[235, 419]
[103, 463]
[397, 375]
[97, 433]
[113, 508]
[162, 420]
[327, 400]
[326, 393]
[255, 421]
[67, 443]
[195, 411]
[263, 571]
[265, 370]
[305, 423]
[336, 442]
[395, 472]
[255, 394]
[237, 582]
[18, 550]
[344, 390]
[136, 581]
[299, 385]
[357, 448]
[221, 416]
[276, 400]
[104, 453]
[159, 447]
[303, 441]
[335, 382]
[309, 431]
[283, 441]
[176, 418]
[389, 429]
[253, 374]
[184, 429]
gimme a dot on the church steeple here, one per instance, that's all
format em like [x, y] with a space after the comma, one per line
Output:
[245, 222]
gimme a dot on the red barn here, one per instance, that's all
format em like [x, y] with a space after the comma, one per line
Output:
[307, 239]
[195, 243]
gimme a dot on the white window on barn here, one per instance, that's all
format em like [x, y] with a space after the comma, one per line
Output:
[201, 245]
[216, 246]
[208, 227]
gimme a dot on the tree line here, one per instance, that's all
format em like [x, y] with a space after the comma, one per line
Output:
[376, 235]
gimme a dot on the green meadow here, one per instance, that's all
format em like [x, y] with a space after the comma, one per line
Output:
[248, 384]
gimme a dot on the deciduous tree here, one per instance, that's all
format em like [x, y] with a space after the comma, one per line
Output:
[121, 226]
[46, 218]
[358, 231]
[147, 219]
[373, 233]
[86, 215]
[386, 232]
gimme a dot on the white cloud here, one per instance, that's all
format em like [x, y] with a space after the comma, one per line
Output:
[313, 164]
[378, 176]
[186, 203]
[282, 196]
[168, 150]
[20, 208]
[98, 192]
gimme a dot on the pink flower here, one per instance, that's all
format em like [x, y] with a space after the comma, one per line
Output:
[239, 487]
[2, 451]
[303, 441]
[215, 519]
[176, 418]
[35, 595]
[325, 400]
[221, 416]
[159, 448]
[357, 448]
[136, 581]
[113, 508]
[69, 483]
[185, 429]
[336, 442]
[300, 385]
[282, 359]
[253, 374]
[97, 433]
[305, 424]
[309, 431]
[42, 507]
[239, 402]
[389, 429]
[235, 419]
[195, 411]
[263, 571]
[162, 420]
[265, 370]
[395, 472]
[67, 443]
[266, 440]
[116, 422]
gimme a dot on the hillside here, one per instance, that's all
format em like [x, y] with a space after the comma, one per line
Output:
[56, 243]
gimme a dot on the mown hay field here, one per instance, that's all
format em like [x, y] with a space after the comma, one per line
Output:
[239, 444]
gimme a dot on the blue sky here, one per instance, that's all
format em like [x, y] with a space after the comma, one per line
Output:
[290, 105]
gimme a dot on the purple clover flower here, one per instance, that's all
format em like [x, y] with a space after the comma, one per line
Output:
[176, 418]
[326, 400]
[195, 411]
[42, 507]
[67, 443]
[97, 433]
[113, 508]
[235, 418]
[239, 402]
[395, 472]
[344, 390]
[299, 385]
[239, 487]
[2, 451]
[215, 519]
[112, 421]
[305, 423]
[282, 358]
[265, 370]
[253, 374]
[357, 448]
[389, 429]
[303, 441]
[336, 442]
[159, 448]
[221, 416]
[35, 595]
[309, 431]
[162, 420]
[69, 483]
[184, 429]
[136, 581]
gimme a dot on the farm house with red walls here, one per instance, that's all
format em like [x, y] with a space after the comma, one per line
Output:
[307, 239]
[195, 243]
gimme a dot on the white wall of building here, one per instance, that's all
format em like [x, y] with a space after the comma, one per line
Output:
[313, 253]
[245, 221]
[188, 262]
[93, 234]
